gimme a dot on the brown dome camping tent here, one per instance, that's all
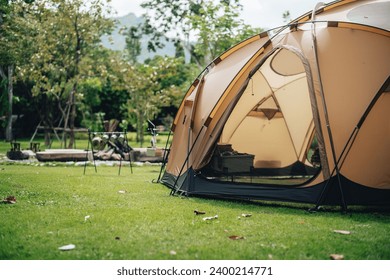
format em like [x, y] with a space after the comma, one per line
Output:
[302, 115]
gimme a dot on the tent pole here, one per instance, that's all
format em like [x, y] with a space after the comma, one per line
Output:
[314, 39]
[174, 190]
[165, 158]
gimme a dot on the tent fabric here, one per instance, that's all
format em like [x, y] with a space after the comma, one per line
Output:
[303, 112]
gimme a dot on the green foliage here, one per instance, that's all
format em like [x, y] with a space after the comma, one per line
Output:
[145, 223]
[63, 36]
[152, 86]
[286, 16]
[64, 32]
[106, 71]
[90, 89]
[89, 97]
[213, 26]
[133, 44]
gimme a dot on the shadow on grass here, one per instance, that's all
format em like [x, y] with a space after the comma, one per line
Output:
[371, 212]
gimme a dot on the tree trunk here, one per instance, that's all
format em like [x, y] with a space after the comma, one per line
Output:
[74, 89]
[140, 130]
[8, 130]
[72, 118]
[10, 92]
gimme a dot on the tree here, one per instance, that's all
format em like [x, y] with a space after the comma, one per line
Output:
[8, 59]
[150, 87]
[90, 90]
[100, 97]
[286, 17]
[6, 104]
[133, 44]
[204, 27]
[64, 33]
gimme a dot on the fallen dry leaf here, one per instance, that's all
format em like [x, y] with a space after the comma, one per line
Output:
[210, 218]
[342, 231]
[246, 215]
[67, 247]
[236, 237]
[10, 200]
[197, 212]
[336, 257]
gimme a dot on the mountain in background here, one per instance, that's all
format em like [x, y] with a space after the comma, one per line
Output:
[117, 41]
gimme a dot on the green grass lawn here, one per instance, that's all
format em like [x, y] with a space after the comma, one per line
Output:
[146, 223]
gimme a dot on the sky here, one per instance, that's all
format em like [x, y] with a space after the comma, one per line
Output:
[257, 13]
